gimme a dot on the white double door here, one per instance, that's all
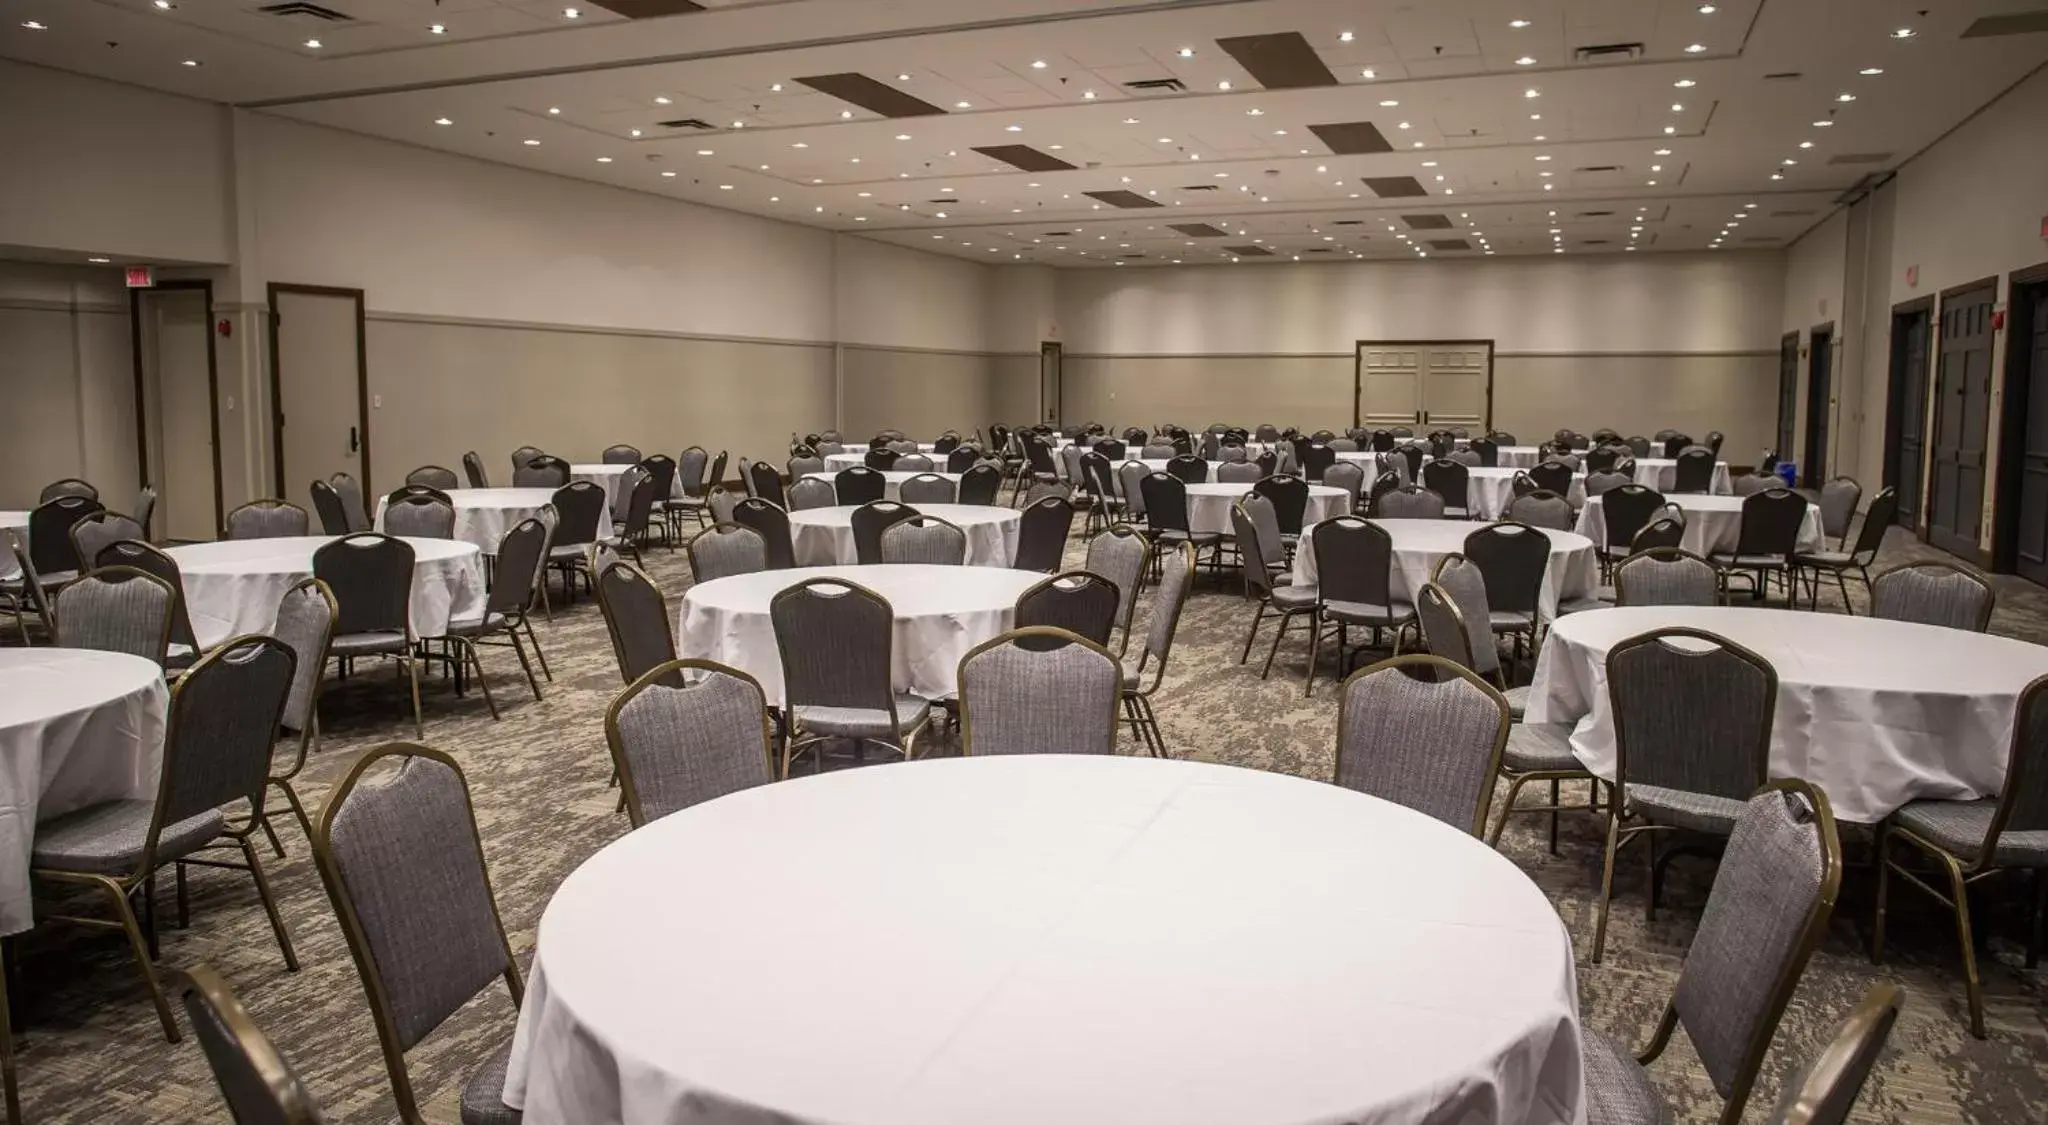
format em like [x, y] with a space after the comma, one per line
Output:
[1441, 384]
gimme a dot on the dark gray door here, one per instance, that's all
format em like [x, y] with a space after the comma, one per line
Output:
[1962, 416]
[1788, 391]
[2031, 545]
[1819, 371]
[1906, 451]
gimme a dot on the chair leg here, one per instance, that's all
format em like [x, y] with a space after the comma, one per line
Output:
[1959, 891]
[1553, 816]
[276, 845]
[1884, 880]
[7, 1076]
[525, 665]
[469, 649]
[1279, 631]
[291, 797]
[1315, 642]
[138, 946]
[1257, 617]
[412, 674]
[1606, 883]
[284, 937]
[1507, 810]
[539, 655]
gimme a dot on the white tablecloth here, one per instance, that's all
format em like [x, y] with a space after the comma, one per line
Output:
[16, 522]
[824, 536]
[1419, 544]
[604, 476]
[76, 728]
[892, 481]
[484, 515]
[1048, 940]
[234, 586]
[1490, 491]
[1876, 712]
[1712, 523]
[941, 612]
[1661, 474]
[1209, 505]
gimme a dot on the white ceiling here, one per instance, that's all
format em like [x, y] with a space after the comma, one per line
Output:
[1548, 155]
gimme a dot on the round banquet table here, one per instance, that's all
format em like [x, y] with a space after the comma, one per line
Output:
[941, 612]
[234, 586]
[1419, 544]
[1876, 712]
[1712, 523]
[838, 461]
[76, 728]
[484, 515]
[16, 522]
[892, 481]
[1661, 473]
[1488, 492]
[1209, 505]
[824, 536]
[1048, 938]
[602, 475]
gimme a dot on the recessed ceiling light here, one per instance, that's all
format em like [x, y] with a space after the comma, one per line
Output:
[1186, 52]
[1789, 162]
[1402, 125]
[1695, 48]
[1670, 130]
[1904, 33]
[799, 144]
[1432, 163]
[1545, 156]
[669, 175]
[164, 5]
[942, 215]
[604, 160]
[1518, 23]
[1823, 124]
[1087, 95]
[1535, 117]
[1013, 128]
[1662, 152]
[633, 132]
[1749, 206]
[35, 25]
[711, 152]
[100, 261]
[1532, 92]
[1708, 9]
[1656, 167]
[442, 121]
[725, 187]
[945, 190]
[845, 115]
[191, 62]
[555, 109]
[1417, 144]
[1871, 71]
[1223, 85]
[1368, 72]
[903, 136]
[1677, 107]
[963, 105]
[1685, 83]
[529, 141]
[1255, 113]
[1439, 178]
[1652, 183]
[1545, 175]
[860, 218]
[1525, 60]
[739, 124]
[313, 44]
[572, 13]
[1777, 175]
[1389, 102]
[661, 99]
[1036, 64]
[1345, 37]
[903, 78]
[437, 29]
[1805, 144]
[776, 88]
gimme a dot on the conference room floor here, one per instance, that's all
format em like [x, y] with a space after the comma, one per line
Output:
[90, 1048]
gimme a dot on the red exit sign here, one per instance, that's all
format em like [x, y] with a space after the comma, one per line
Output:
[141, 277]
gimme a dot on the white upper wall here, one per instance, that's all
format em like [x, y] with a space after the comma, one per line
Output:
[95, 167]
[1652, 303]
[1023, 309]
[1813, 276]
[892, 297]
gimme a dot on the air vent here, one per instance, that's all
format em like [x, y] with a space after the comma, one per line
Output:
[300, 8]
[1348, 223]
[1201, 187]
[1130, 200]
[1427, 222]
[1860, 158]
[1594, 214]
[945, 202]
[1594, 242]
[870, 95]
[1785, 76]
[1395, 187]
[1059, 234]
[1608, 52]
[1025, 158]
[649, 9]
[1199, 230]
[1157, 86]
[1279, 61]
[1598, 168]
[1351, 138]
[1250, 251]
[1449, 244]
[1318, 250]
[685, 123]
[1130, 257]
[2017, 23]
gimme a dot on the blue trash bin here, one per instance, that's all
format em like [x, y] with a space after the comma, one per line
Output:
[1788, 472]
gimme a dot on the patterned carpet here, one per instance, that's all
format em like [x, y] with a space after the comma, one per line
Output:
[90, 1049]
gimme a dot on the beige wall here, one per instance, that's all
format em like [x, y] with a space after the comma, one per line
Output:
[67, 378]
[1735, 393]
[919, 392]
[1196, 390]
[1013, 387]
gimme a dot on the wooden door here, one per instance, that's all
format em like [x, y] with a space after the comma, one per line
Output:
[1457, 386]
[1389, 385]
[1788, 391]
[318, 381]
[1906, 419]
[1962, 416]
[178, 409]
[1820, 360]
[2030, 544]
[1049, 383]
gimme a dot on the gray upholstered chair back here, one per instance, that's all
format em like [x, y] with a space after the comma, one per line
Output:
[473, 469]
[49, 534]
[1600, 484]
[1354, 561]
[224, 717]
[723, 503]
[837, 641]
[1176, 576]
[117, 609]
[1251, 548]
[927, 488]
[69, 486]
[434, 476]
[1443, 626]
[1118, 554]
[726, 549]
[1156, 451]
[525, 455]
[1423, 732]
[924, 539]
[142, 556]
[690, 470]
[1078, 601]
[1666, 576]
[580, 506]
[1824, 1090]
[1542, 508]
[800, 467]
[636, 616]
[621, 455]
[1838, 500]
[541, 472]
[1238, 472]
[2023, 803]
[1749, 484]
[370, 577]
[521, 555]
[1692, 712]
[1411, 503]
[1461, 579]
[1039, 690]
[1933, 593]
[350, 493]
[327, 503]
[403, 866]
[258, 1084]
[687, 731]
[810, 492]
[1265, 517]
[914, 463]
[268, 519]
[304, 624]
[1349, 476]
[1768, 909]
[980, 484]
[92, 534]
[420, 517]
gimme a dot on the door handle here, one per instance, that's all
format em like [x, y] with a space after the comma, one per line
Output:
[353, 444]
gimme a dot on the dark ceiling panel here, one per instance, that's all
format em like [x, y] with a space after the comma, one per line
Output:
[1129, 199]
[870, 95]
[1427, 222]
[1449, 244]
[649, 9]
[1395, 187]
[1199, 230]
[1351, 137]
[1026, 158]
[1280, 61]
[2018, 23]
[1250, 251]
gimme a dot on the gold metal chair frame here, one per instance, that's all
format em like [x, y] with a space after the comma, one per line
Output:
[629, 795]
[293, 1100]
[1047, 632]
[1137, 701]
[1442, 668]
[309, 735]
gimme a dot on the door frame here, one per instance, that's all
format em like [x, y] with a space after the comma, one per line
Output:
[1894, 394]
[1784, 430]
[205, 288]
[1936, 339]
[1358, 371]
[1052, 349]
[2015, 386]
[1817, 413]
[277, 380]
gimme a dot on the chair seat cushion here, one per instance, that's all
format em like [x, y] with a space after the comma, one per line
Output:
[367, 644]
[1603, 598]
[1723, 559]
[490, 623]
[1293, 597]
[483, 1094]
[1365, 613]
[1173, 535]
[1545, 747]
[1699, 812]
[1958, 827]
[1831, 559]
[1618, 1089]
[1510, 621]
[107, 838]
[567, 552]
[863, 722]
[1518, 701]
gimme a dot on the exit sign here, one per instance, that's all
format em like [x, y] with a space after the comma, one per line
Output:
[141, 277]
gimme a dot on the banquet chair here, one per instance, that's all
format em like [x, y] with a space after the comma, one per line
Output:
[1156, 451]
[881, 460]
[904, 447]
[1695, 468]
[1128, 475]
[217, 741]
[1883, 511]
[1177, 574]
[1111, 448]
[914, 463]
[1354, 566]
[1232, 451]
[1412, 455]
[927, 488]
[434, 476]
[524, 456]
[327, 504]
[473, 470]
[1838, 500]
[93, 533]
[686, 496]
[420, 517]
[1692, 739]
[926, 540]
[1929, 593]
[661, 468]
[965, 457]
[1098, 483]
[350, 493]
[184, 647]
[1626, 509]
[946, 443]
[1488, 450]
[620, 455]
[1554, 475]
[541, 472]
[686, 732]
[1238, 472]
[1520, 485]
[1425, 733]
[258, 1085]
[67, 486]
[116, 609]
[1349, 476]
[1602, 460]
[1600, 484]
[1343, 445]
[579, 506]
[370, 576]
[1767, 912]
[1038, 690]
[305, 621]
[868, 522]
[1412, 502]
[765, 483]
[1166, 517]
[811, 492]
[1383, 486]
[403, 865]
[1452, 481]
[1825, 1088]
[633, 516]
[636, 618]
[801, 466]
[1042, 534]
[837, 643]
[1541, 508]
[725, 549]
[1666, 576]
[49, 537]
[1674, 444]
[980, 483]
[859, 485]
[24, 595]
[1514, 558]
[1765, 541]
[1079, 601]
[1119, 554]
[1667, 530]
[1749, 484]
[522, 554]
[772, 522]
[1260, 556]
[1638, 445]
[268, 519]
